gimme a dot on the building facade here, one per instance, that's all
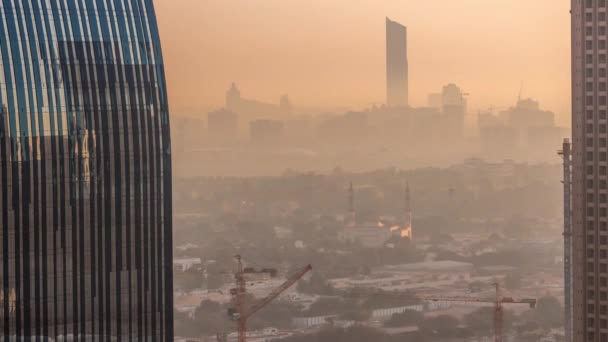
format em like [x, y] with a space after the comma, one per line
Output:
[454, 109]
[85, 172]
[589, 173]
[396, 65]
[222, 127]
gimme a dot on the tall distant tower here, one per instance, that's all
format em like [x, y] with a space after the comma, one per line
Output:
[351, 219]
[396, 64]
[406, 230]
[589, 171]
[407, 210]
[454, 107]
[233, 96]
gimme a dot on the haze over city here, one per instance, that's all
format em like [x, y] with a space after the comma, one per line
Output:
[331, 53]
[304, 170]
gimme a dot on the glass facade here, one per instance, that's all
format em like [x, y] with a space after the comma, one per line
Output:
[85, 172]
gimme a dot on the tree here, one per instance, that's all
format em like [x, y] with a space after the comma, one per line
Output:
[207, 307]
[549, 312]
[481, 321]
[316, 285]
[212, 324]
[440, 327]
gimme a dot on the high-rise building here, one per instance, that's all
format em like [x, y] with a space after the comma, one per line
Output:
[250, 110]
[435, 100]
[589, 170]
[267, 132]
[85, 172]
[407, 211]
[222, 126]
[454, 108]
[396, 64]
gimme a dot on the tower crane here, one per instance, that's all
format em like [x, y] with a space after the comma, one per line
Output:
[498, 302]
[241, 312]
[566, 154]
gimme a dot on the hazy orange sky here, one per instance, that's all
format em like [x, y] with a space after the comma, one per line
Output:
[331, 52]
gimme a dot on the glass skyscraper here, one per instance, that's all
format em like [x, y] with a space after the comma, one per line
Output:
[85, 172]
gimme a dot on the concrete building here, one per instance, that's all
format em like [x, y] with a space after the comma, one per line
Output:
[589, 171]
[534, 127]
[396, 64]
[222, 126]
[527, 114]
[454, 109]
[434, 100]
[253, 109]
[266, 132]
[497, 142]
[350, 129]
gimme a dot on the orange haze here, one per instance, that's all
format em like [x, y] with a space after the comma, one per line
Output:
[331, 52]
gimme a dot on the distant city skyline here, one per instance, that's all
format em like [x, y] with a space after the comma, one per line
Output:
[295, 50]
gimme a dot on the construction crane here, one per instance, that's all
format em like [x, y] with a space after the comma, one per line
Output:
[241, 312]
[498, 302]
[565, 153]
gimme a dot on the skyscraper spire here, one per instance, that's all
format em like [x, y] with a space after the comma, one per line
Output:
[407, 214]
[351, 198]
[407, 204]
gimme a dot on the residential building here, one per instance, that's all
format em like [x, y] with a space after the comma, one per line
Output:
[222, 127]
[589, 170]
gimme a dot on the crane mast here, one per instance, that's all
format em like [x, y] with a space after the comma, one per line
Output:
[498, 315]
[565, 153]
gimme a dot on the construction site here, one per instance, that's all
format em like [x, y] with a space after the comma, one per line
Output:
[414, 288]
[383, 261]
